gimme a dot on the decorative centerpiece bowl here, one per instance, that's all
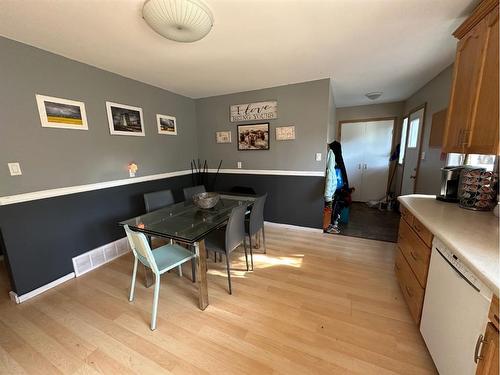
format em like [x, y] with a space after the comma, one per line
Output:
[206, 200]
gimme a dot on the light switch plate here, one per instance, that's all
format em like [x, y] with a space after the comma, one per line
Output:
[239, 165]
[318, 156]
[15, 169]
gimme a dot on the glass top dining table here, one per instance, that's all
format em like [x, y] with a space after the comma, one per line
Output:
[187, 223]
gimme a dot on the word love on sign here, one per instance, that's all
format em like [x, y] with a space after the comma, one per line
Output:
[254, 111]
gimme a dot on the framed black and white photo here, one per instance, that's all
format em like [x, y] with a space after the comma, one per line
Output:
[166, 124]
[223, 137]
[125, 119]
[253, 137]
[61, 113]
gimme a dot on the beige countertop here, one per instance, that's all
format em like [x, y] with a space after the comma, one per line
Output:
[473, 235]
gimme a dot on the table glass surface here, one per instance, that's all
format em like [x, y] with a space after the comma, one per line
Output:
[186, 222]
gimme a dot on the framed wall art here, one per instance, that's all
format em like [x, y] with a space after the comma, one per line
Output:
[166, 124]
[61, 113]
[125, 119]
[254, 111]
[223, 137]
[285, 133]
[253, 137]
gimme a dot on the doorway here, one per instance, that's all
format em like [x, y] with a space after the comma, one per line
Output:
[411, 144]
[366, 147]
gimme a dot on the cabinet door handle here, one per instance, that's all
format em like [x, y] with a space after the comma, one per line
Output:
[408, 290]
[479, 342]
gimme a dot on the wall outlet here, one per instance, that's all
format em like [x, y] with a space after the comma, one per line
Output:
[422, 155]
[15, 169]
[239, 164]
[318, 156]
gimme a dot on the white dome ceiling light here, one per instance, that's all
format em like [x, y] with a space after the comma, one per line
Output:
[179, 20]
[374, 95]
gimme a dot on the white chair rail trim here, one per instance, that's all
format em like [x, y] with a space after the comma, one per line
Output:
[50, 193]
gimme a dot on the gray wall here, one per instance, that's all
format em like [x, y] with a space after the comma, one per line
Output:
[332, 116]
[303, 105]
[436, 93]
[52, 158]
[360, 112]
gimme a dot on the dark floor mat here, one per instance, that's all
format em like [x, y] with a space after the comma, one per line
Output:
[366, 222]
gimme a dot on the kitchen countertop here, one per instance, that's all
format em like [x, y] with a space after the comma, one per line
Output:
[472, 235]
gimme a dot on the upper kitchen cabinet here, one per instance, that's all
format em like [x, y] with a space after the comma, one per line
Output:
[472, 121]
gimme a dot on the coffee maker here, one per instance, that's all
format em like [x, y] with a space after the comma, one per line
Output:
[450, 177]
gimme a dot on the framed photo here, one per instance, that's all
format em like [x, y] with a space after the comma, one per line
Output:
[166, 124]
[61, 113]
[253, 137]
[125, 119]
[285, 133]
[223, 137]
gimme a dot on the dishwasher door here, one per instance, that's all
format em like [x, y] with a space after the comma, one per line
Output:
[454, 315]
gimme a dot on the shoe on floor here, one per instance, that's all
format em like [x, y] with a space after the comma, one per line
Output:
[332, 229]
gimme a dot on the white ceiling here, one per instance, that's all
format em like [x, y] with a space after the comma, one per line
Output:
[394, 46]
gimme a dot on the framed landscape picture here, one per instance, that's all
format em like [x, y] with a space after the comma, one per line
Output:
[253, 137]
[125, 119]
[166, 124]
[61, 113]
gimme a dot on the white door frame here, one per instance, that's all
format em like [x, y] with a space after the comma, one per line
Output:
[422, 130]
[373, 119]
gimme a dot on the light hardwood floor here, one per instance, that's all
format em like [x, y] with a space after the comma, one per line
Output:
[315, 304]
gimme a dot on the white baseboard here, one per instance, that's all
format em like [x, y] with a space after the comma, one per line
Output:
[24, 297]
[296, 227]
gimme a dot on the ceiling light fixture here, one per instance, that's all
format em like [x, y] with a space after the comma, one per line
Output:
[179, 20]
[374, 95]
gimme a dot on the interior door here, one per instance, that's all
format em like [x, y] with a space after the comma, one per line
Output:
[412, 151]
[377, 151]
[352, 135]
[366, 148]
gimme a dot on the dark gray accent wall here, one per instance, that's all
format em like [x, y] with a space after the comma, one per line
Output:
[303, 105]
[42, 236]
[53, 158]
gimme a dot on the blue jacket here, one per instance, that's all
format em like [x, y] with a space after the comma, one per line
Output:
[333, 177]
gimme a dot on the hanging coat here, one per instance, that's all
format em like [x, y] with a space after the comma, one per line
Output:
[333, 179]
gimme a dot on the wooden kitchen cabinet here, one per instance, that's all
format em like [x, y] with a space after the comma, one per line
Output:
[488, 362]
[473, 117]
[412, 261]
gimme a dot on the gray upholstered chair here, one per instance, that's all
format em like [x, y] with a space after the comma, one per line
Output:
[190, 191]
[158, 199]
[255, 223]
[226, 241]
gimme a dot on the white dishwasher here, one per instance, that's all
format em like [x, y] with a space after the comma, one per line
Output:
[455, 313]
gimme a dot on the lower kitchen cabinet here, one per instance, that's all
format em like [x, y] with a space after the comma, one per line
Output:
[488, 359]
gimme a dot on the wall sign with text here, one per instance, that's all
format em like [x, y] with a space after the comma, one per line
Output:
[254, 111]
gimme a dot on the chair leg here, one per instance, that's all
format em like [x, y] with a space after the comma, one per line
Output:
[132, 284]
[251, 251]
[245, 247]
[180, 270]
[155, 302]
[193, 270]
[228, 273]
[264, 239]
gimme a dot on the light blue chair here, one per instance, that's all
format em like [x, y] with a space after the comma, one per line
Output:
[161, 260]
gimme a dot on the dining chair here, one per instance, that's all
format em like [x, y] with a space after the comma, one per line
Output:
[190, 191]
[160, 260]
[256, 223]
[158, 199]
[226, 240]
